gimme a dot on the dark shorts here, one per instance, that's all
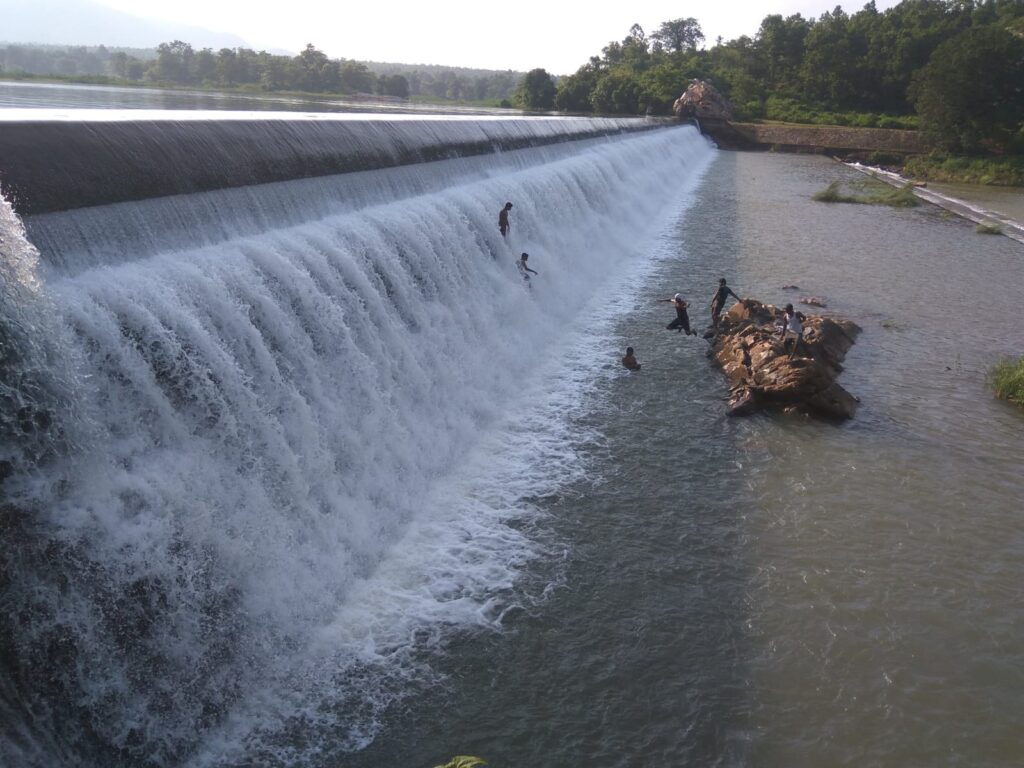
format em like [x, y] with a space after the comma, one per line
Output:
[679, 322]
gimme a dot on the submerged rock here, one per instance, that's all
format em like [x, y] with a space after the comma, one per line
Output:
[762, 374]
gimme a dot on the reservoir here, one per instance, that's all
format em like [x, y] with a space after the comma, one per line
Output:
[304, 474]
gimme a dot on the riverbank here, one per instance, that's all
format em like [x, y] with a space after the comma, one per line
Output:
[896, 149]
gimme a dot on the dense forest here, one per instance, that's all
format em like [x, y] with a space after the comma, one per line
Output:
[957, 65]
[178, 63]
[953, 67]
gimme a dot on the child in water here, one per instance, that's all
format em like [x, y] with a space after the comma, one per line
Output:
[630, 361]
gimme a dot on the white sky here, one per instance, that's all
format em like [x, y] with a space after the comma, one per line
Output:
[489, 34]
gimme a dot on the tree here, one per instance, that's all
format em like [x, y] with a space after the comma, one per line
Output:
[393, 85]
[173, 62]
[537, 90]
[680, 34]
[970, 95]
[573, 94]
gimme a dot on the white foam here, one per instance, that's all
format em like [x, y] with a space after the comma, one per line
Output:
[317, 445]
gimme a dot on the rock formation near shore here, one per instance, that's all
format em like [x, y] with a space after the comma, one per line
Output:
[763, 376]
[702, 100]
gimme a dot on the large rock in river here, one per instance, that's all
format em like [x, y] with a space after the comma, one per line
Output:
[702, 100]
[762, 375]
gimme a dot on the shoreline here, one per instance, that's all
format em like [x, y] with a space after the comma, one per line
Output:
[1008, 226]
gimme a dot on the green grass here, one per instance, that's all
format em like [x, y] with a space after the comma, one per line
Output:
[778, 108]
[872, 193]
[988, 228]
[1007, 379]
[463, 761]
[1007, 171]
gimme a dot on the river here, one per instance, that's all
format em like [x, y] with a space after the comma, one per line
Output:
[342, 491]
[774, 592]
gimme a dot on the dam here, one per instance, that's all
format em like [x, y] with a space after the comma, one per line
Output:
[297, 470]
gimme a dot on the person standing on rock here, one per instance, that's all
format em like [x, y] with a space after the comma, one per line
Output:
[792, 328]
[503, 224]
[629, 360]
[719, 299]
[682, 321]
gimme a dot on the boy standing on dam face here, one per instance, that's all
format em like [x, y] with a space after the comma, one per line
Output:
[503, 224]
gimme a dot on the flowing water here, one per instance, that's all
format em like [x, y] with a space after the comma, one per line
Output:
[347, 492]
[770, 592]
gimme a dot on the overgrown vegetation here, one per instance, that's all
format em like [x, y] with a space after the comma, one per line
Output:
[1007, 379]
[463, 761]
[950, 67]
[999, 171]
[871, 192]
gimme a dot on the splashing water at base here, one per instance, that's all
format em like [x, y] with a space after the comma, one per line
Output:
[307, 453]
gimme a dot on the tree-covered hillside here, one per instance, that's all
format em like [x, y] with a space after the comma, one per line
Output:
[178, 63]
[958, 65]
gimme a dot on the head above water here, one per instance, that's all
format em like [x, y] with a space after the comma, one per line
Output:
[508, 206]
[677, 297]
[525, 256]
[789, 307]
[629, 350]
[721, 281]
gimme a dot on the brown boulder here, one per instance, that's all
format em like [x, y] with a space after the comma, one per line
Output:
[762, 374]
[702, 100]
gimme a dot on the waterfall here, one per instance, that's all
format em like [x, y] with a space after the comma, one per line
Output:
[281, 438]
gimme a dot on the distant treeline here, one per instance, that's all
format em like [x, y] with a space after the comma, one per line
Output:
[958, 65]
[178, 63]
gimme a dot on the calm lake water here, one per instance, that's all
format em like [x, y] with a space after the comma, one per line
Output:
[775, 592]
[69, 96]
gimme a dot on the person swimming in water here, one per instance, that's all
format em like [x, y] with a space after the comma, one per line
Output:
[629, 360]
[503, 223]
[682, 321]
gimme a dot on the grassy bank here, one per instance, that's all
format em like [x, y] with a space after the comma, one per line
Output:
[997, 171]
[1007, 379]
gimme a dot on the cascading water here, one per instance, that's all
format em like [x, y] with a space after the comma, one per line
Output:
[265, 459]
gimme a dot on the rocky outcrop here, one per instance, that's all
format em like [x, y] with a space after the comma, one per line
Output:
[702, 100]
[763, 376]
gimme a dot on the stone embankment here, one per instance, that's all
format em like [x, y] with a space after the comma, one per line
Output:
[832, 139]
[763, 376]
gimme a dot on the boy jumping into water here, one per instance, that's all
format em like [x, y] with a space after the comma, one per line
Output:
[503, 223]
[682, 321]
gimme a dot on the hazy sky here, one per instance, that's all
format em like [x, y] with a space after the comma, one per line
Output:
[558, 35]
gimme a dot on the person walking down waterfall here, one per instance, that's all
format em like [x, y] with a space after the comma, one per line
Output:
[503, 223]
[719, 299]
[682, 321]
[524, 270]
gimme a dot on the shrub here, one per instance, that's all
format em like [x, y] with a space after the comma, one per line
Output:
[876, 193]
[1007, 379]
[988, 228]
